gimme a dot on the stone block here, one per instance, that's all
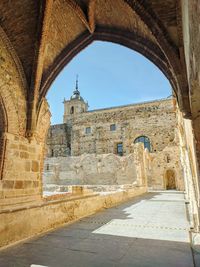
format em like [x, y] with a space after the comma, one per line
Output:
[27, 184]
[32, 149]
[7, 184]
[1, 194]
[19, 184]
[35, 166]
[27, 166]
[9, 193]
[23, 147]
[24, 155]
[13, 146]
[15, 153]
[16, 138]
[35, 184]
[77, 190]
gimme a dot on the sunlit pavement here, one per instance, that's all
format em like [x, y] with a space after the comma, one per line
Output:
[151, 230]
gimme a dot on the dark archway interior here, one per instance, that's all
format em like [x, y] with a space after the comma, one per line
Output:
[170, 180]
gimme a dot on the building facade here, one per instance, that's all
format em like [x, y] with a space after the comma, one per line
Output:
[90, 136]
[112, 130]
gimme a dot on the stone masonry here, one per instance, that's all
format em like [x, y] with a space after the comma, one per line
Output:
[89, 139]
[37, 40]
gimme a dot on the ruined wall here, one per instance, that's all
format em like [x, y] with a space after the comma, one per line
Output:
[157, 165]
[90, 169]
[58, 141]
[93, 169]
[110, 169]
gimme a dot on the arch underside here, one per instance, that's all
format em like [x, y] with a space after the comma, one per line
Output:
[58, 30]
[130, 40]
[12, 87]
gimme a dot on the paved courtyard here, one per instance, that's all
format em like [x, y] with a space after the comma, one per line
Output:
[148, 231]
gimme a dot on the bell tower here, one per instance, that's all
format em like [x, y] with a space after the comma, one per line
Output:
[75, 105]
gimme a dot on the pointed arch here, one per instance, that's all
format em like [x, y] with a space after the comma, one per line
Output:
[132, 40]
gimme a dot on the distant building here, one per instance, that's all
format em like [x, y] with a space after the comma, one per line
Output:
[111, 130]
[115, 131]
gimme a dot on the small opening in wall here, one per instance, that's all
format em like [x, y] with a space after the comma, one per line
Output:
[120, 149]
[88, 130]
[72, 110]
[113, 127]
[170, 180]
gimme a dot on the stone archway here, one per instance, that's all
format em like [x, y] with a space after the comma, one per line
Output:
[170, 180]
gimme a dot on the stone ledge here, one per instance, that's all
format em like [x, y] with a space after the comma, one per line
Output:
[29, 221]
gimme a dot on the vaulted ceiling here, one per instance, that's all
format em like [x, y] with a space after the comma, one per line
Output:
[46, 34]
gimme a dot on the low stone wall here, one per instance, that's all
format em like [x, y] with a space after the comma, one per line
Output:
[25, 222]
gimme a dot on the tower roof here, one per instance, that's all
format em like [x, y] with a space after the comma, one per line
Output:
[76, 92]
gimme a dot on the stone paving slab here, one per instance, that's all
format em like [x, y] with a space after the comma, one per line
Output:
[148, 231]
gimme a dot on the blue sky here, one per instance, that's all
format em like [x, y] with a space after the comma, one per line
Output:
[109, 75]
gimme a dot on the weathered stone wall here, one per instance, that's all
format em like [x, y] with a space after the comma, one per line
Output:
[19, 173]
[21, 170]
[190, 167]
[157, 165]
[110, 169]
[190, 129]
[22, 164]
[23, 222]
[90, 169]
[156, 120]
[58, 141]
[93, 169]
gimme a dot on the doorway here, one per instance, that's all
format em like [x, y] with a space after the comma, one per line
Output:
[170, 180]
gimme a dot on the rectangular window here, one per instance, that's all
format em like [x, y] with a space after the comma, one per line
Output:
[112, 127]
[120, 149]
[88, 130]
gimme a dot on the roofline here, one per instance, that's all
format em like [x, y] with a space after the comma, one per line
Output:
[130, 105]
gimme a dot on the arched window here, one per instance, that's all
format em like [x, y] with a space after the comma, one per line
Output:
[145, 140]
[72, 110]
